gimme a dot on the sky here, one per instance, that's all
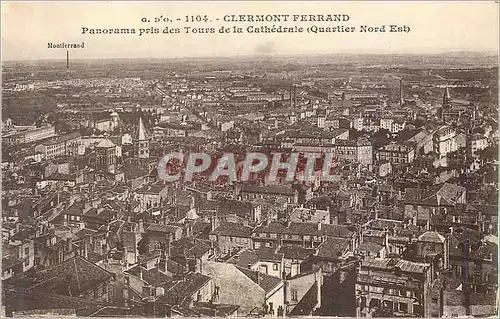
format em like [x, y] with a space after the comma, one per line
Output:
[435, 27]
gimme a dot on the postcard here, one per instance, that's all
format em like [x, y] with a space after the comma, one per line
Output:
[250, 159]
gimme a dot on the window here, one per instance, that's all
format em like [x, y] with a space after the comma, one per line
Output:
[26, 251]
[275, 266]
[100, 290]
[294, 295]
[403, 307]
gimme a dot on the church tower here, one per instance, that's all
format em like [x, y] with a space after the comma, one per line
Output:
[446, 98]
[401, 102]
[141, 142]
[446, 107]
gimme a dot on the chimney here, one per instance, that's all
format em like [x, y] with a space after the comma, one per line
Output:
[169, 248]
[294, 95]
[140, 226]
[160, 291]
[70, 244]
[319, 225]
[163, 260]
[85, 249]
[386, 240]
[451, 230]
[213, 223]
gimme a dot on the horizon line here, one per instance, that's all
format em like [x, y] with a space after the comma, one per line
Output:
[490, 53]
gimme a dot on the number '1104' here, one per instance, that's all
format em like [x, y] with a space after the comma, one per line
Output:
[197, 18]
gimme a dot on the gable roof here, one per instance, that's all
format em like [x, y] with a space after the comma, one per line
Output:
[333, 248]
[266, 282]
[295, 252]
[308, 302]
[443, 194]
[74, 275]
[234, 230]
[180, 292]
[431, 237]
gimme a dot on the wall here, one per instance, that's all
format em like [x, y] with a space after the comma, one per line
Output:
[277, 299]
[301, 285]
[235, 287]
[262, 265]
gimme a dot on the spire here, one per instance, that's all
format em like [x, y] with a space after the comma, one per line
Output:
[446, 96]
[142, 132]
[401, 91]
[447, 92]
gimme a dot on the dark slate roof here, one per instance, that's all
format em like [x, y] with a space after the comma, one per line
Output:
[245, 258]
[486, 250]
[337, 231]
[274, 227]
[370, 246]
[449, 194]
[269, 254]
[132, 172]
[201, 227]
[233, 230]
[274, 189]
[78, 273]
[250, 257]
[212, 310]
[76, 208]
[307, 304]
[332, 248]
[391, 263]
[161, 228]
[151, 189]
[83, 233]
[10, 262]
[191, 247]
[431, 237]
[266, 282]
[179, 292]
[311, 229]
[151, 276]
[302, 229]
[295, 252]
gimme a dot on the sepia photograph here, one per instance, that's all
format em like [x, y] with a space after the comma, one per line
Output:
[256, 159]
